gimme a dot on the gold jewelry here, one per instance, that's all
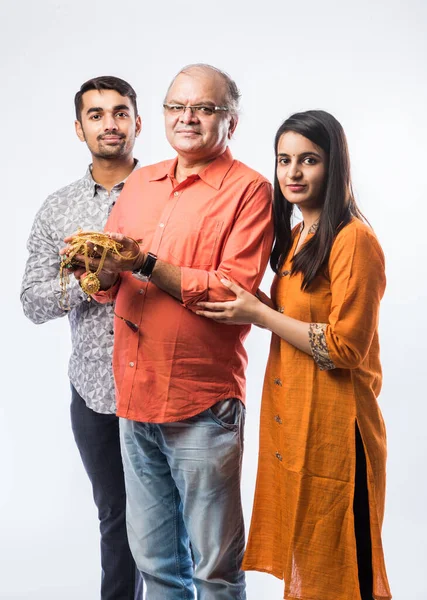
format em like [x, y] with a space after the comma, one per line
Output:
[89, 244]
[90, 284]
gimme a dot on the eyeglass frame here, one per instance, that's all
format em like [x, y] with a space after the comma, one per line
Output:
[193, 109]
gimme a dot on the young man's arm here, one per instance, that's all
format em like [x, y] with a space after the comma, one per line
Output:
[40, 290]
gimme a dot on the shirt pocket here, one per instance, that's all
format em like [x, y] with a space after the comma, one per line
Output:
[192, 243]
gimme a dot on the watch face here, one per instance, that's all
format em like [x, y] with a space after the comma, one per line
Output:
[148, 266]
[146, 270]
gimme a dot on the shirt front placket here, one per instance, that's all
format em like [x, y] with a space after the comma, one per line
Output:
[170, 207]
[107, 200]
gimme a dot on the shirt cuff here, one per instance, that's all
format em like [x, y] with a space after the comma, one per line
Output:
[319, 347]
[107, 296]
[194, 287]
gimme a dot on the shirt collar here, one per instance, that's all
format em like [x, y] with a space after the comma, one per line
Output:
[213, 174]
[93, 186]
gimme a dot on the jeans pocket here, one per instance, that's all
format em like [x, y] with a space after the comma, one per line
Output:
[227, 413]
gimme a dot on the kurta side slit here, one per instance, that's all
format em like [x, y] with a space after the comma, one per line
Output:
[362, 522]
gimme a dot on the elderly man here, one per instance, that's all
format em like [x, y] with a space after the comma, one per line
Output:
[180, 378]
[107, 121]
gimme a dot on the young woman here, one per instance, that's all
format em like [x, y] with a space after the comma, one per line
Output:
[319, 499]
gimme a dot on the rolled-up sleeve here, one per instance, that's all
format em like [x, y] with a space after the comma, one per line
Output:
[244, 256]
[357, 278]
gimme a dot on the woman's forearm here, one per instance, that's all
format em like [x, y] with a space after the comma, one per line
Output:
[291, 330]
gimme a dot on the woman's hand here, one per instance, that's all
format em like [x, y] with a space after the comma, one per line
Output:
[246, 308]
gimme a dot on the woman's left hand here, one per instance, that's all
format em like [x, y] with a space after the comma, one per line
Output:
[245, 308]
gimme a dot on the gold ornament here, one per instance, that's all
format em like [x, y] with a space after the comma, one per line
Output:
[91, 244]
[90, 284]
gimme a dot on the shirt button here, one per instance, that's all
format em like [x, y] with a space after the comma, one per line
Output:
[278, 419]
[141, 291]
[281, 309]
[176, 193]
[131, 364]
[161, 224]
[279, 456]
[278, 381]
[111, 331]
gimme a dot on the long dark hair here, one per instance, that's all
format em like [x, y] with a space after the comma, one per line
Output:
[338, 206]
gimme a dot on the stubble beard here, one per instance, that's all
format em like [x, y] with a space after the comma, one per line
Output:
[112, 151]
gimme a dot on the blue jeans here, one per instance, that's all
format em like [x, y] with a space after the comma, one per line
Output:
[98, 441]
[184, 513]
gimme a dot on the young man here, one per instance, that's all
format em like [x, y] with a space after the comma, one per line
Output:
[181, 378]
[107, 121]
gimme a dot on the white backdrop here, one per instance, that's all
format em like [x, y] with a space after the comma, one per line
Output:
[364, 61]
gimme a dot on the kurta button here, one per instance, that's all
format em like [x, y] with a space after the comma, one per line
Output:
[284, 273]
[278, 419]
[131, 364]
[141, 291]
[281, 309]
[111, 331]
[278, 381]
[176, 193]
[161, 224]
[279, 456]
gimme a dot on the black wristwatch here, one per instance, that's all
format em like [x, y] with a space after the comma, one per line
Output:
[146, 270]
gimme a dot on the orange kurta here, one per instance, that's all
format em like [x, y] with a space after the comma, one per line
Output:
[302, 527]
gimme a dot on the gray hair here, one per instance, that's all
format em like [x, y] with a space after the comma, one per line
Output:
[233, 92]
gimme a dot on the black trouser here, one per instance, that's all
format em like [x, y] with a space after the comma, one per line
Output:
[97, 438]
[362, 522]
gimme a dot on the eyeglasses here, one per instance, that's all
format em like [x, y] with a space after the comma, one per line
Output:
[201, 110]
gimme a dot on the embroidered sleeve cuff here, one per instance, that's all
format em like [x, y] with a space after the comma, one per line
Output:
[319, 347]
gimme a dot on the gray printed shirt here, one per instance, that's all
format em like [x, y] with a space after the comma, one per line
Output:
[84, 204]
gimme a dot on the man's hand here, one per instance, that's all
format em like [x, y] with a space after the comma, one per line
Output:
[129, 258]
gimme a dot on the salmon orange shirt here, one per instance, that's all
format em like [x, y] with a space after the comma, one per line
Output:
[214, 225]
